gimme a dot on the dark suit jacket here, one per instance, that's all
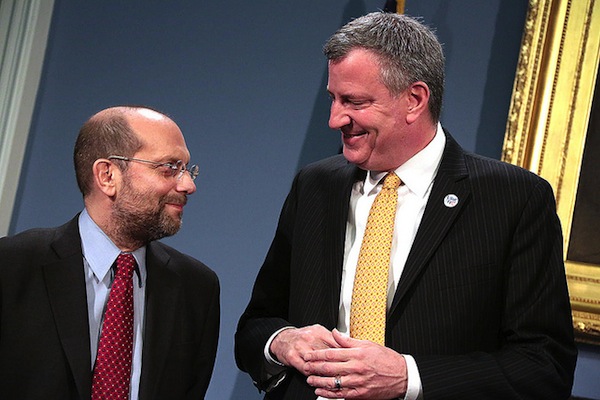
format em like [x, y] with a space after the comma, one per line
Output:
[44, 333]
[482, 304]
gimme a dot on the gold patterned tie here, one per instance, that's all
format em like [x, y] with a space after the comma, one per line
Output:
[369, 295]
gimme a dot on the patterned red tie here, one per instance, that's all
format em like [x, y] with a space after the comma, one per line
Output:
[112, 372]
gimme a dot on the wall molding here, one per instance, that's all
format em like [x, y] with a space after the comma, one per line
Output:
[24, 28]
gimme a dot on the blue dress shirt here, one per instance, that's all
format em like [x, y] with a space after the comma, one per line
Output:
[99, 255]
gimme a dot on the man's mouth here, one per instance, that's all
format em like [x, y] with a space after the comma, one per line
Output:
[353, 135]
[178, 202]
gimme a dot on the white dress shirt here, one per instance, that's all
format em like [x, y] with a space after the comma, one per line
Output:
[99, 254]
[417, 176]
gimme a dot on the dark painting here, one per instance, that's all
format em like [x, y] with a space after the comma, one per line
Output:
[584, 243]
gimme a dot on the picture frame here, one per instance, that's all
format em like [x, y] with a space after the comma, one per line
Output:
[550, 115]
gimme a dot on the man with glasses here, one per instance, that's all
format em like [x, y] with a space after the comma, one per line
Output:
[70, 325]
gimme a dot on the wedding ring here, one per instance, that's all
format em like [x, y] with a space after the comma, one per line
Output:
[337, 382]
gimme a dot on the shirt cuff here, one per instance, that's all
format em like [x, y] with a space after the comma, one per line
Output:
[276, 371]
[268, 356]
[414, 391]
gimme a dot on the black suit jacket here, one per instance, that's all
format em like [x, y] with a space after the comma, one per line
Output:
[482, 304]
[44, 333]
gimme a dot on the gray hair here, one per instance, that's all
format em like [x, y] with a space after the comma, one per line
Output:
[408, 52]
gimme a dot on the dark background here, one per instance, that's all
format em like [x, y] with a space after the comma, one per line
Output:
[584, 243]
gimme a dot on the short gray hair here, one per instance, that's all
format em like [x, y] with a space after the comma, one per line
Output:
[408, 52]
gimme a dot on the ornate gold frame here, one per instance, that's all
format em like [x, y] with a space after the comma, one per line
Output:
[548, 121]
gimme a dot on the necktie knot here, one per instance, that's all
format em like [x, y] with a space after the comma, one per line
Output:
[125, 266]
[391, 181]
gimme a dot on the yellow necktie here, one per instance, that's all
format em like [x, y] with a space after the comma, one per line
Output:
[369, 295]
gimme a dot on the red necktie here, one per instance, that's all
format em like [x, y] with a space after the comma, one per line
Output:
[112, 372]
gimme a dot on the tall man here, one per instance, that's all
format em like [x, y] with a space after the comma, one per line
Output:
[475, 303]
[58, 335]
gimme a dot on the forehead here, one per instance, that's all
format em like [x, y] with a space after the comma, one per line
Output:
[358, 68]
[357, 75]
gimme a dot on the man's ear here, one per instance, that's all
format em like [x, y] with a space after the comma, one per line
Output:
[418, 101]
[105, 176]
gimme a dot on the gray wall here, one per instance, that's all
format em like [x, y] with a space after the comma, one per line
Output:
[246, 83]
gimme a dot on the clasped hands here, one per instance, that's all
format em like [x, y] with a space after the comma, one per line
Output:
[338, 366]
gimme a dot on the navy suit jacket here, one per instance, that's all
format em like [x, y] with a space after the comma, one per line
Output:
[44, 333]
[482, 304]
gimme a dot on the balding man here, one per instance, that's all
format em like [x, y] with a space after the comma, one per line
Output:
[67, 315]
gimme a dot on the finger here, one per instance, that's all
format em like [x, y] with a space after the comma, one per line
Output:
[346, 341]
[341, 339]
[331, 383]
[295, 342]
[324, 368]
[330, 355]
[332, 394]
[323, 336]
[325, 382]
[316, 337]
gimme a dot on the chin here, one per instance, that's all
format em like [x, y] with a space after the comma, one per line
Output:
[351, 158]
[350, 155]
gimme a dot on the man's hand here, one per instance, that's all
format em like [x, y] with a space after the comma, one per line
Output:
[363, 369]
[291, 345]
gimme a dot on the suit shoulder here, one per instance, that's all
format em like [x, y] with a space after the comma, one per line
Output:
[481, 168]
[30, 249]
[186, 264]
[327, 169]
[334, 161]
[29, 241]
[500, 171]
[325, 165]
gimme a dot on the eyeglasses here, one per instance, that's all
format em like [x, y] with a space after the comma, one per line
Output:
[170, 169]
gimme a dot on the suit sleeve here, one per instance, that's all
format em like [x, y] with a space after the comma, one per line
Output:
[267, 310]
[210, 337]
[536, 356]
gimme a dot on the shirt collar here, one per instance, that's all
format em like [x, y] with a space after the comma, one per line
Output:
[100, 252]
[419, 171]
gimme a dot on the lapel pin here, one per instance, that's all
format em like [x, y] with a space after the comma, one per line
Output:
[451, 200]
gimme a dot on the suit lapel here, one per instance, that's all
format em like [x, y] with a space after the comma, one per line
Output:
[438, 216]
[162, 288]
[65, 283]
[340, 187]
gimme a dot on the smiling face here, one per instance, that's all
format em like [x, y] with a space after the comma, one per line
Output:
[371, 120]
[150, 201]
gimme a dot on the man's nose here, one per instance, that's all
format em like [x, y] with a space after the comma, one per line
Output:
[337, 116]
